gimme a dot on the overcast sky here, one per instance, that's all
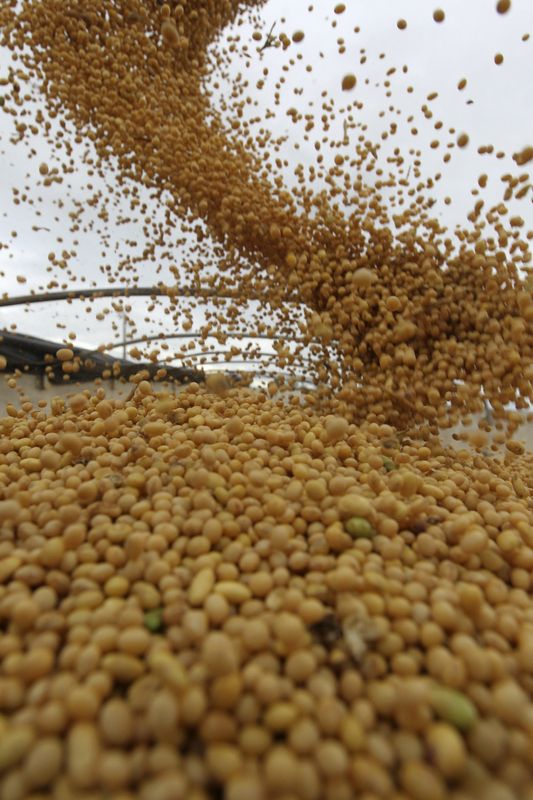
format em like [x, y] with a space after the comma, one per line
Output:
[437, 55]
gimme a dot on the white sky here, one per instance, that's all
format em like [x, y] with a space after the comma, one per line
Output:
[438, 56]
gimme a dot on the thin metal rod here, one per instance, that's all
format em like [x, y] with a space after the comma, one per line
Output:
[201, 354]
[122, 291]
[124, 354]
[230, 335]
[125, 291]
[255, 357]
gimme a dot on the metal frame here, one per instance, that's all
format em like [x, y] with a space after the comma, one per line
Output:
[125, 292]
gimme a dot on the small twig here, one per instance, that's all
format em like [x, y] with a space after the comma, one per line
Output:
[269, 41]
[345, 132]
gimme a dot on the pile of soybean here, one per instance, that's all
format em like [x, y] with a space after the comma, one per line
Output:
[206, 596]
